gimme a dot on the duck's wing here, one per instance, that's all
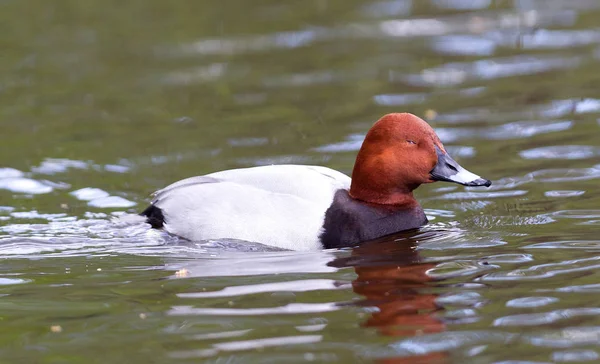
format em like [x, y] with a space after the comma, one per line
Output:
[279, 205]
[180, 185]
[306, 182]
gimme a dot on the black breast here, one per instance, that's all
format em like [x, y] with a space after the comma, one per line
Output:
[349, 222]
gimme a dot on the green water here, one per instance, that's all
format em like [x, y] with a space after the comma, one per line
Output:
[127, 97]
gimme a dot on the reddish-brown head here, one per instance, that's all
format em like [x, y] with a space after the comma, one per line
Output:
[397, 156]
[401, 152]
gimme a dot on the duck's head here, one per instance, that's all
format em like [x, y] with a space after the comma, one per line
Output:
[399, 153]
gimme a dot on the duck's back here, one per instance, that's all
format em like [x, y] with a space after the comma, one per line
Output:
[281, 205]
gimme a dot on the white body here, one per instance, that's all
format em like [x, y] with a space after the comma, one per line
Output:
[281, 205]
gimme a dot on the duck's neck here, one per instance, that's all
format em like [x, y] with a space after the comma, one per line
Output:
[401, 199]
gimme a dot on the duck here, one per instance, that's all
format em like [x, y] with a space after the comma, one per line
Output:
[307, 207]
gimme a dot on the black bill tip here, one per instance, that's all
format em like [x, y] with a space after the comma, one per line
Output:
[479, 182]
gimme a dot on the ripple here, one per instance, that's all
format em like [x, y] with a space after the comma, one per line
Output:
[561, 108]
[508, 258]
[563, 193]
[196, 75]
[467, 45]
[65, 236]
[521, 362]
[453, 74]
[567, 337]
[529, 302]
[10, 173]
[101, 199]
[577, 214]
[11, 281]
[116, 168]
[515, 130]
[463, 243]
[566, 244]
[458, 268]
[460, 151]
[352, 143]
[546, 38]
[543, 271]
[544, 318]
[488, 221]
[586, 288]
[304, 79]
[311, 328]
[256, 344]
[24, 185]
[481, 195]
[239, 45]
[461, 4]
[575, 355]
[111, 202]
[467, 298]
[564, 175]
[471, 205]
[290, 286]
[27, 246]
[233, 264]
[89, 193]
[292, 308]
[221, 335]
[525, 129]
[460, 316]
[446, 341]
[247, 142]
[58, 165]
[388, 8]
[509, 182]
[400, 99]
[546, 176]
[561, 152]
[36, 215]
[405, 28]
[556, 4]
[272, 341]
[438, 212]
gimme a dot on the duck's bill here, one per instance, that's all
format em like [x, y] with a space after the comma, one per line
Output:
[447, 169]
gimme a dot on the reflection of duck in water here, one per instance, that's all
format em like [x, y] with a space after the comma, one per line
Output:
[310, 207]
[393, 278]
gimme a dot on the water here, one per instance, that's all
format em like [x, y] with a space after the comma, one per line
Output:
[104, 103]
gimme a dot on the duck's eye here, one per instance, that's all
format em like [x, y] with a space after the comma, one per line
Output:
[410, 141]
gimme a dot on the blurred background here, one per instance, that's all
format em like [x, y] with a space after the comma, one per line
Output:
[103, 102]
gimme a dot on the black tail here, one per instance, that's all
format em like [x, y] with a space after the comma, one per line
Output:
[154, 216]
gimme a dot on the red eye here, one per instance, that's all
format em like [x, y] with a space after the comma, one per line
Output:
[411, 141]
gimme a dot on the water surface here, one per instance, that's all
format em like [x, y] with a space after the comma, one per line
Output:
[103, 103]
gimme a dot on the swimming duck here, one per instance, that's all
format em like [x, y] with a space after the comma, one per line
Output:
[301, 207]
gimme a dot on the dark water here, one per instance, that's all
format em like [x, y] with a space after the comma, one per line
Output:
[102, 102]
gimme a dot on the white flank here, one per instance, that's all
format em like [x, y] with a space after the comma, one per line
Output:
[282, 205]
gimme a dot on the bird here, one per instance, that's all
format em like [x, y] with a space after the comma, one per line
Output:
[306, 207]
